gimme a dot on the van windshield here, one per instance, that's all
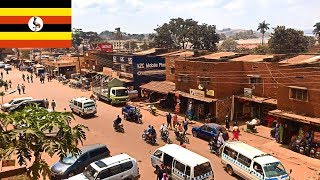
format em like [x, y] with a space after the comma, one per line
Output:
[88, 104]
[274, 169]
[202, 169]
[69, 159]
[90, 173]
[121, 92]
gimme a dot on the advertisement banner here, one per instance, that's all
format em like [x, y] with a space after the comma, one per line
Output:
[105, 47]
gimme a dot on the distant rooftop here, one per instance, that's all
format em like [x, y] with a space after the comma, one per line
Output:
[301, 59]
[219, 55]
[253, 58]
[181, 53]
[153, 51]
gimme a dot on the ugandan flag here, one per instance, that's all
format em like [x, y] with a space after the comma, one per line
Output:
[35, 24]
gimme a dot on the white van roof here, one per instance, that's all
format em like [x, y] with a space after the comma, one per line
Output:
[23, 98]
[184, 155]
[83, 99]
[245, 149]
[266, 159]
[109, 161]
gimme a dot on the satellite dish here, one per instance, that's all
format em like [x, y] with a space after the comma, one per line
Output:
[201, 87]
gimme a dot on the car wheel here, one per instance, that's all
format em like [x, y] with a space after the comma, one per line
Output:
[195, 134]
[230, 170]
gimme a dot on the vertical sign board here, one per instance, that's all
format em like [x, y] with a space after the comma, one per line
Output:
[147, 69]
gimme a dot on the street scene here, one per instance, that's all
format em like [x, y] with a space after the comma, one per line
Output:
[158, 93]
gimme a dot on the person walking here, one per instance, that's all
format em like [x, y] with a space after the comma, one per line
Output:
[28, 78]
[23, 87]
[19, 88]
[235, 131]
[1, 75]
[175, 119]
[227, 122]
[10, 83]
[160, 172]
[5, 85]
[47, 103]
[24, 77]
[48, 76]
[7, 70]
[53, 105]
[169, 125]
[31, 78]
[185, 125]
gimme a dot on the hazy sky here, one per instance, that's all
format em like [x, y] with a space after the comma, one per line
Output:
[142, 16]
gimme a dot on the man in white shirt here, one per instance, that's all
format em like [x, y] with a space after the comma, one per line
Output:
[163, 128]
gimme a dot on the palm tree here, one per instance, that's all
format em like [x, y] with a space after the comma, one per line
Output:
[36, 131]
[316, 31]
[263, 27]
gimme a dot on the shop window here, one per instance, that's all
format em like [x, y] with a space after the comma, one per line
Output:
[204, 80]
[299, 94]
[255, 80]
[183, 78]
[172, 70]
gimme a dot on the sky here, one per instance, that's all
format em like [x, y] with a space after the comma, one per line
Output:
[143, 16]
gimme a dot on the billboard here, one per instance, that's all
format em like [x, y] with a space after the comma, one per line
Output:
[105, 47]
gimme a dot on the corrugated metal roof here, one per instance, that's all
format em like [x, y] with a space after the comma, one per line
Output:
[253, 58]
[219, 55]
[160, 86]
[301, 59]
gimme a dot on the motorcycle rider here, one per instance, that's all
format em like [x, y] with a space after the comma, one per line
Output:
[152, 133]
[163, 129]
[117, 122]
[178, 130]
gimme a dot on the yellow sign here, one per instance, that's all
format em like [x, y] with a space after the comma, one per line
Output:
[210, 92]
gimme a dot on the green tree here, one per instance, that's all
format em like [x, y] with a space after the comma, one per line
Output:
[288, 40]
[229, 45]
[130, 45]
[37, 131]
[204, 37]
[316, 31]
[263, 27]
[261, 49]
[145, 46]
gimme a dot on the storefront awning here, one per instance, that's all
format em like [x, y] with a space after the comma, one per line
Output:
[204, 99]
[163, 87]
[258, 99]
[295, 117]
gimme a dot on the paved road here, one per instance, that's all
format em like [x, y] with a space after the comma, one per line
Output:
[101, 130]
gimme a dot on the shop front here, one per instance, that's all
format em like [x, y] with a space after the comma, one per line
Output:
[301, 133]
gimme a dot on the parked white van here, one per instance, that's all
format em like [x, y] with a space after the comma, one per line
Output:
[184, 164]
[14, 102]
[251, 163]
[83, 106]
[119, 167]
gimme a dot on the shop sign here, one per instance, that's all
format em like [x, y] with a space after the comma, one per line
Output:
[247, 92]
[105, 47]
[7, 163]
[210, 93]
[194, 92]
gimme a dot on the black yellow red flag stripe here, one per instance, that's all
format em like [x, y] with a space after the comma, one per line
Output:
[35, 24]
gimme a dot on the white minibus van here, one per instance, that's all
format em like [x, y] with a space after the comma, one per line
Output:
[182, 163]
[251, 163]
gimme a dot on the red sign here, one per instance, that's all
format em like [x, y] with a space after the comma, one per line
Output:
[105, 47]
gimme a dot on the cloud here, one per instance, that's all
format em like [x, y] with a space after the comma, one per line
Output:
[235, 5]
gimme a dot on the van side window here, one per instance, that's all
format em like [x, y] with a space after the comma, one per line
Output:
[127, 166]
[179, 166]
[188, 170]
[244, 160]
[79, 104]
[115, 170]
[230, 152]
[104, 174]
[113, 92]
[75, 103]
[158, 154]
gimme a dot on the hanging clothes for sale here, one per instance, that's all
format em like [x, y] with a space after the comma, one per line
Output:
[281, 133]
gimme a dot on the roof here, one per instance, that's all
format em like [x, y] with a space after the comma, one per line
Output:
[88, 148]
[219, 55]
[252, 58]
[245, 149]
[258, 99]
[301, 59]
[146, 52]
[163, 87]
[266, 159]
[184, 155]
[295, 117]
[181, 53]
[199, 98]
[83, 99]
[104, 163]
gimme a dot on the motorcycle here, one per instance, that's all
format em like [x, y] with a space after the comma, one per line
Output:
[152, 109]
[118, 128]
[215, 146]
[149, 140]
[165, 136]
[181, 137]
[315, 151]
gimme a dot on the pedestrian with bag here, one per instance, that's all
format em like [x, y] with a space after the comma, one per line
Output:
[19, 89]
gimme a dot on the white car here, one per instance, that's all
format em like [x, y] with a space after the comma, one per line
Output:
[7, 67]
[83, 106]
[14, 102]
[119, 167]
[2, 65]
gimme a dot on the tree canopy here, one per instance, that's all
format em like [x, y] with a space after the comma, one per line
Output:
[263, 27]
[36, 131]
[185, 33]
[288, 40]
[229, 45]
[316, 31]
[130, 45]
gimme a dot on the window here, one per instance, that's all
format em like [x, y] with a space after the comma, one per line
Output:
[209, 129]
[255, 80]
[83, 158]
[203, 128]
[158, 154]
[115, 170]
[257, 167]
[75, 103]
[179, 166]
[97, 152]
[127, 166]
[299, 94]
[244, 160]
[204, 80]
[188, 170]
[79, 104]
[183, 78]
[172, 70]
[230, 152]
[202, 169]
[104, 174]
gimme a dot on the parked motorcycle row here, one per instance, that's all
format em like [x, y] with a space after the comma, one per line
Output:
[306, 148]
